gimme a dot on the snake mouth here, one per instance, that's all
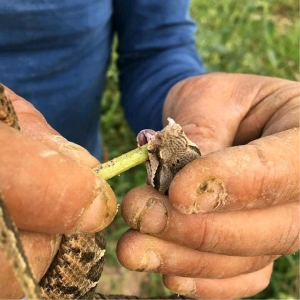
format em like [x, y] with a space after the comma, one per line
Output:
[144, 136]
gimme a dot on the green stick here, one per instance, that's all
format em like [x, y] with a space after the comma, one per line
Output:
[122, 163]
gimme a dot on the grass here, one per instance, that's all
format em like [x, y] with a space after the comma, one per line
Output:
[250, 36]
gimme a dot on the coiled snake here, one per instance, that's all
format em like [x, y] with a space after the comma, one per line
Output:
[77, 267]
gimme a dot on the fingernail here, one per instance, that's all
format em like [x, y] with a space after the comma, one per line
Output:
[185, 286]
[210, 195]
[153, 218]
[150, 261]
[95, 216]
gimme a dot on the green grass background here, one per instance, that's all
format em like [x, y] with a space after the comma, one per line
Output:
[250, 36]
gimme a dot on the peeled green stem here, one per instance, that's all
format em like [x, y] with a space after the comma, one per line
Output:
[122, 163]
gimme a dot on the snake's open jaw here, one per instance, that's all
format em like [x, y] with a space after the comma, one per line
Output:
[144, 136]
[153, 139]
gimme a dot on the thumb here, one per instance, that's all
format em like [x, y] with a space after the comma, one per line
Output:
[257, 175]
[46, 181]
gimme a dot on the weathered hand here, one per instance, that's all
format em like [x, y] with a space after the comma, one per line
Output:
[48, 187]
[232, 212]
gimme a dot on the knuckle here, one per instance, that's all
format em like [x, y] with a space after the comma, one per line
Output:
[289, 239]
[258, 263]
[293, 245]
[213, 238]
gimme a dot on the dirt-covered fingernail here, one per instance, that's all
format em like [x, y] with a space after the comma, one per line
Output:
[99, 213]
[150, 261]
[180, 285]
[153, 218]
[210, 194]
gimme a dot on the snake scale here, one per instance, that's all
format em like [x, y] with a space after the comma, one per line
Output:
[78, 264]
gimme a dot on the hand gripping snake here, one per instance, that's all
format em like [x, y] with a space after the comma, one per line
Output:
[78, 264]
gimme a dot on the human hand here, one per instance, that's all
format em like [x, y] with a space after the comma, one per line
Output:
[230, 213]
[49, 188]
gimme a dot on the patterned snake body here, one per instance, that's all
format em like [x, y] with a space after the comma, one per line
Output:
[77, 267]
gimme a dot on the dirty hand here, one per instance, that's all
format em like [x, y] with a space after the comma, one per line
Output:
[49, 188]
[233, 211]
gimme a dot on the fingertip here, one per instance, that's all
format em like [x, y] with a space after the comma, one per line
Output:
[126, 247]
[180, 285]
[145, 209]
[136, 252]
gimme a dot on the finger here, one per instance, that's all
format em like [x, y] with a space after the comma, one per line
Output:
[230, 288]
[34, 124]
[260, 174]
[63, 196]
[275, 230]
[40, 249]
[152, 254]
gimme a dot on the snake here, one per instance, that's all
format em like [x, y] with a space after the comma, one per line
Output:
[76, 269]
